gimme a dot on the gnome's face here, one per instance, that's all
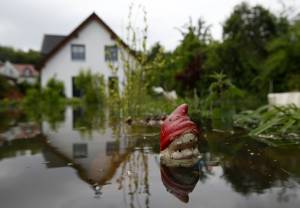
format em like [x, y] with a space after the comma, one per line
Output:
[179, 139]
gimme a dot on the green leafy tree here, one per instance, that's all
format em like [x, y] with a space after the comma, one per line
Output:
[246, 34]
[19, 56]
[282, 67]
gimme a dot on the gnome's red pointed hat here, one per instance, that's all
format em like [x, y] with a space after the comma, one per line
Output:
[175, 125]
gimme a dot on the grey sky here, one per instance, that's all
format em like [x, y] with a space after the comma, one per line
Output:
[24, 22]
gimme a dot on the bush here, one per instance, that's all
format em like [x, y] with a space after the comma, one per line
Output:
[53, 93]
[92, 86]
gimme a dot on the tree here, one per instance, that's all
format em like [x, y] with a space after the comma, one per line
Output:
[189, 58]
[283, 65]
[19, 56]
[246, 34]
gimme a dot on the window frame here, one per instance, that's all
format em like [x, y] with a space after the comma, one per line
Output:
[76, 57]
[109, 57]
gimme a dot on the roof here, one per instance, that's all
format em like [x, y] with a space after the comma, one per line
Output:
[66, 39]
[49, 42]
[23, 67]
[20, 69]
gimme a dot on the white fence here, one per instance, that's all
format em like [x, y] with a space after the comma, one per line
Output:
[283, 99]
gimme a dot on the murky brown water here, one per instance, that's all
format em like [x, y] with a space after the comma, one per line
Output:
[89, 160]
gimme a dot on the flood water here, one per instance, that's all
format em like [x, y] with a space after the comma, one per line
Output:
[78, 158]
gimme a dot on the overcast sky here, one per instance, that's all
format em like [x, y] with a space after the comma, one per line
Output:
[24, 22]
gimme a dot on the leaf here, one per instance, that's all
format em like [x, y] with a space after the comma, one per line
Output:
[287, 125]
[265, 126]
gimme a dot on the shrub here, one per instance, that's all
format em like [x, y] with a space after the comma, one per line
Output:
[92, 86]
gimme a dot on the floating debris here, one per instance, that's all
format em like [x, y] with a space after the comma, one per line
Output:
[70, 164]
[251, 153]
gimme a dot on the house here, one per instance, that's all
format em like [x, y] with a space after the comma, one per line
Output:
[27, 73]
[19, 73]
[93, 46]
[8, 71]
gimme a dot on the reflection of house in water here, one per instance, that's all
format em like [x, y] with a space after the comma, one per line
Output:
[98, 154]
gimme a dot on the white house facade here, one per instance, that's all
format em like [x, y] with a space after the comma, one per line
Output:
[91, 46]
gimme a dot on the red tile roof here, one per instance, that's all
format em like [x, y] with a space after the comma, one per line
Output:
[23, 67]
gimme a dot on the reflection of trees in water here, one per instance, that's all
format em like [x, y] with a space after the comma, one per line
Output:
[249, 174]
[134, 179]
[94, 118]
[53, 114]
[249, 168]
[87, 119]
[20, 147]
[115, 123]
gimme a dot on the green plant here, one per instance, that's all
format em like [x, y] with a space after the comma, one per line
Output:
[222, 93]
[271, 120]
[92, 87]
[45, 104]
[53, 92]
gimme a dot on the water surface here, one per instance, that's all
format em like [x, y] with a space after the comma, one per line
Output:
[85, 158]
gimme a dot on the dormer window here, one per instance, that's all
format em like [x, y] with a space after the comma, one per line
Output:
[111, 53]
[78, 52]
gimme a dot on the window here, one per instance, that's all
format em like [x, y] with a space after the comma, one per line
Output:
[111, 53]
[77, 52]
[111, 148]
[80, 150]
[77, 92]
[113, 84]
[27, 72]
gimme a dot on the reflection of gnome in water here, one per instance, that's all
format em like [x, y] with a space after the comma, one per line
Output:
[179, 181]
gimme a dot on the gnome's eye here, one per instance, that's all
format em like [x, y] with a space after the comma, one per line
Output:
[170, 119]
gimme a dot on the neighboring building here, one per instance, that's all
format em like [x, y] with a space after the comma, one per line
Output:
[9, 71]
[91, 46]
[27, 73]
[19, 72]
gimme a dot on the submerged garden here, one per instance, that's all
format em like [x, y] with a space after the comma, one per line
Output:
[250, 148]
